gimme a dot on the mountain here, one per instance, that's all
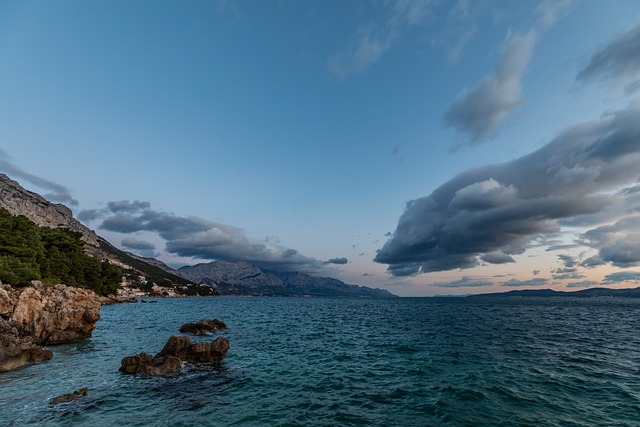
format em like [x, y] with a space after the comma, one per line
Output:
[241, 278]
[141, 274]
[584, 293]
[150, 275]
[19, 201]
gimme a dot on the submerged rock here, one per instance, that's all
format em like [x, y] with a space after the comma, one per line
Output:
[42, 315]
[203, 326]
[69, 397]
[176, 351]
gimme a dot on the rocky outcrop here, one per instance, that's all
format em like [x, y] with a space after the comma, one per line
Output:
[42, 315]
[19, 201]
[176, 351]
[54, 315]
[203, 327]
[17, 348]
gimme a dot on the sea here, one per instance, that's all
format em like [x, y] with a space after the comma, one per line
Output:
[351, 362]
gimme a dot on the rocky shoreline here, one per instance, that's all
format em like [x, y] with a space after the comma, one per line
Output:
[39, 315]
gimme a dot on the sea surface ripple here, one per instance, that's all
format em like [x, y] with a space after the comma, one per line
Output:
[349, 362]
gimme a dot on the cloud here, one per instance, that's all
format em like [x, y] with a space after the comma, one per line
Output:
[131, 243]
[622, 277]
[569, 275]
[463, 283]
[503, 208]
[525, 283]
[455, 52]
[200, 238]
[127, 206]
[342, 260]
[367, 47]
[618, 243]
[58, 193]
[568, 260]
[497, 258]
[582, 284]
[479, 113]
[618, 61]
[549, 11]
[371, 41]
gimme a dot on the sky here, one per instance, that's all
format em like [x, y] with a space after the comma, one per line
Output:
[436, 147]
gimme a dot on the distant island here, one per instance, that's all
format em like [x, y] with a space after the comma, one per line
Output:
[583, 293]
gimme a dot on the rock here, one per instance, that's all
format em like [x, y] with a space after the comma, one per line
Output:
[203, 326]
[42, 315]
[176, 351]
[19, 201]
[69, 397]
[17, 348]
[58, 314]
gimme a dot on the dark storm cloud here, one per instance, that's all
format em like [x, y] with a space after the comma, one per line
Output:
[630, 190]
[562, 247]
[617, 61]
[117, 207]
[131, 243]
[127, 206]
[58, 193]
[568, 261]
[199, 238]
[582, 284]
[525, 283]
[480, 113]
[341, 260]
[497, 258]
[622, 277]
[566, 276]
[618, 243]
[463, 283]
[503, 208]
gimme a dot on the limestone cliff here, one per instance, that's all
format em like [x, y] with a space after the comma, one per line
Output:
[20, 201]
[155, 277]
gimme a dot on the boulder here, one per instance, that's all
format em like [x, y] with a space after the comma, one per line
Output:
[203, 326]
[69, 397]
[17, 348]
[176, 351]
[42, 315]
[56, 315]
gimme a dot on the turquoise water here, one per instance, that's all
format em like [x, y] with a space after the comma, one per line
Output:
[328, 362]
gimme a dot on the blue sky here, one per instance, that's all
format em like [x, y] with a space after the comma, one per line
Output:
[454, 137]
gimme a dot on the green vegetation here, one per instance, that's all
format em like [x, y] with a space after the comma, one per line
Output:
[152, 273]
[29, 252]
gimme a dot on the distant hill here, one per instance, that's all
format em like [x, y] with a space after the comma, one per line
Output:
[584, 293]
[141, 273]
[241, 278]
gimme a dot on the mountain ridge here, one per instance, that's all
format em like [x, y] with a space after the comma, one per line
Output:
[547, 293]
[231, 278]
[242, 278]
[141, 275]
